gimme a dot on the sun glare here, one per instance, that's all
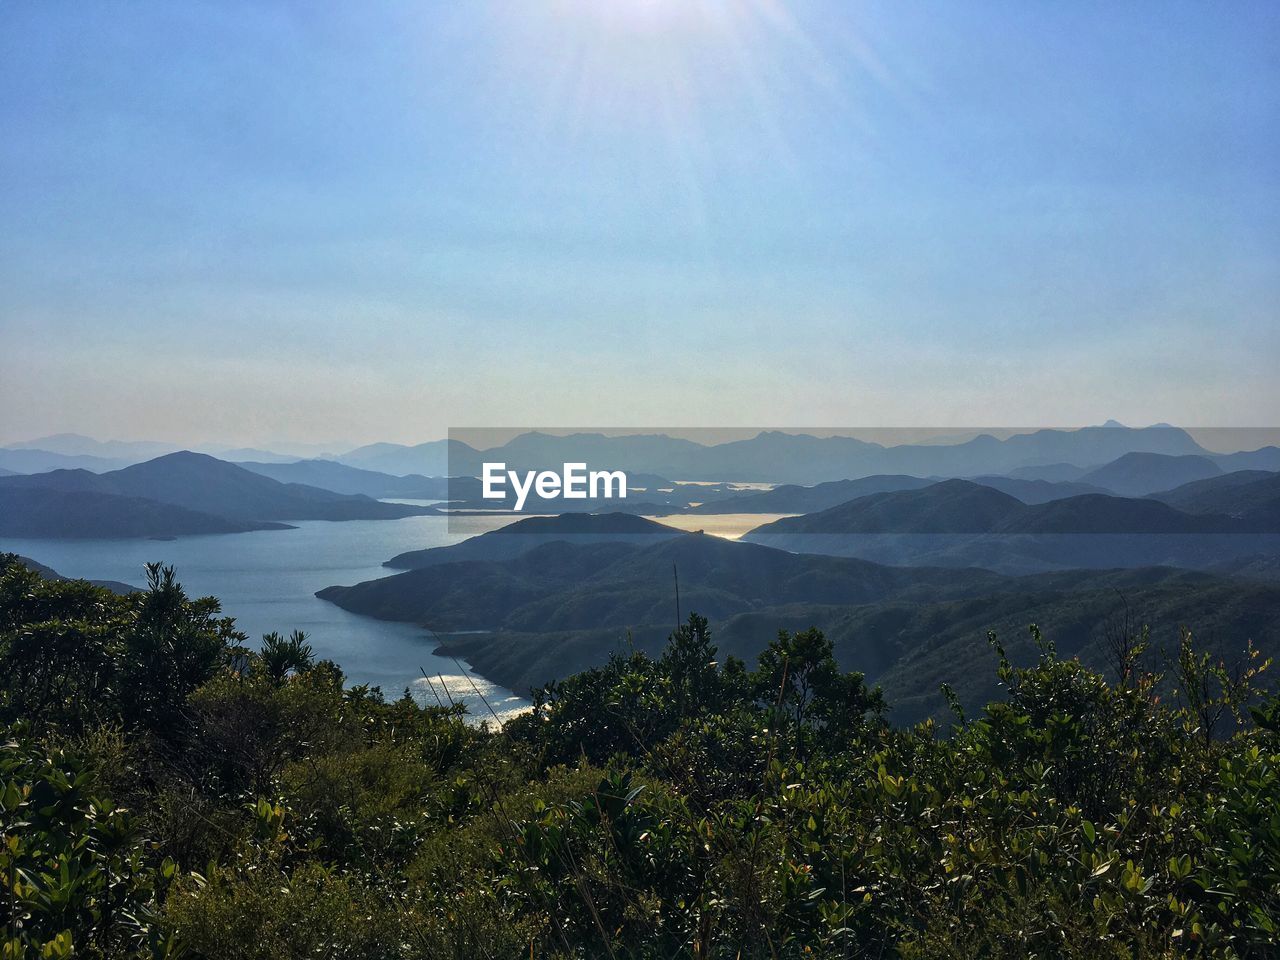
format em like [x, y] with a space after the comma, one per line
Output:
[674, 75]
[640, 16]
[628, 61]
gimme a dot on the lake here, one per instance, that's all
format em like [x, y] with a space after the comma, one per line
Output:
[266, 580]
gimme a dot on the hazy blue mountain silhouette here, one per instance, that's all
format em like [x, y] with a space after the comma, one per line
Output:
[778, 457]
[949, 506]
[76, 445]
[46, 513]
[436, 458]
[40, 461]
[341, 478]
[792, 498]
[1138, 474]
[771, 456]
[967, 507]
[203, 483]
[1264, 458]
[1050, 472]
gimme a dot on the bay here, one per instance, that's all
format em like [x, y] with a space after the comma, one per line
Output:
[267, 579]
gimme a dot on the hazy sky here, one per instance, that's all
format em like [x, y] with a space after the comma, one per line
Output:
[237, 222]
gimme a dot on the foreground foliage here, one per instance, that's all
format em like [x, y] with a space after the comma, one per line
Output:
[166, 792]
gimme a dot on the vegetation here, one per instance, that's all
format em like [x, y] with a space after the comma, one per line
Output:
[167, 792]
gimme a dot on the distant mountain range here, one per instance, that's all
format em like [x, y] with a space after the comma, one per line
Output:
[1050, 472]
[1054, 455]
[563, 606]
[961, 523]
[341, 478]
[1138, 474]
[40, 461]
[791, 498]
[78, 445]
[774, 456]
[645, 492]
[778, 457]
[1036, 469]
[175, 494]
[71, 451]
[436, 458]
[963, 506]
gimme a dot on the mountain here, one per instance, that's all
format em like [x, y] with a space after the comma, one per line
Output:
[1097, 513]
[966, 507]
[910, 647]
[436, 458]
[780, 457]
[1244, 493]
[1076, 616]
[951, 506]
[1256, 567]
[341, 478]
[563, 607]
[77, 445]
[1264, 458]
[39, 461]
[800, 458]
[792, 498]
[1051, 472]
[115, 586]
[777, 457]
[85, 514]
[1138, 474]
[959, 523]
[634, 453]
[520, 537]
[202, 483]
[122, 453]
[773, 456]
[242, 454]
[7, 473]
[289, 449]
[1037, 491]
[562, 585]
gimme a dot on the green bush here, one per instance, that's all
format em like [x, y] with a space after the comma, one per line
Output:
[674, 806]
[75, 880]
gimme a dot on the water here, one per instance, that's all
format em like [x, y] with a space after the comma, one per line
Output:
[266, 579]
[731, 526]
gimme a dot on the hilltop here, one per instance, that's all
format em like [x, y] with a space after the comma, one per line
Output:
[520, 537]
[227, 498]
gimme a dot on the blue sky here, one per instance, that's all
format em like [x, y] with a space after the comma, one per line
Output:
[236, 222]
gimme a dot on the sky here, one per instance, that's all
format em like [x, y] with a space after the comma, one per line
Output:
[235, 222]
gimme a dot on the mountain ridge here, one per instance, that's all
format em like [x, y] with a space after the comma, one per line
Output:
[201, 483]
